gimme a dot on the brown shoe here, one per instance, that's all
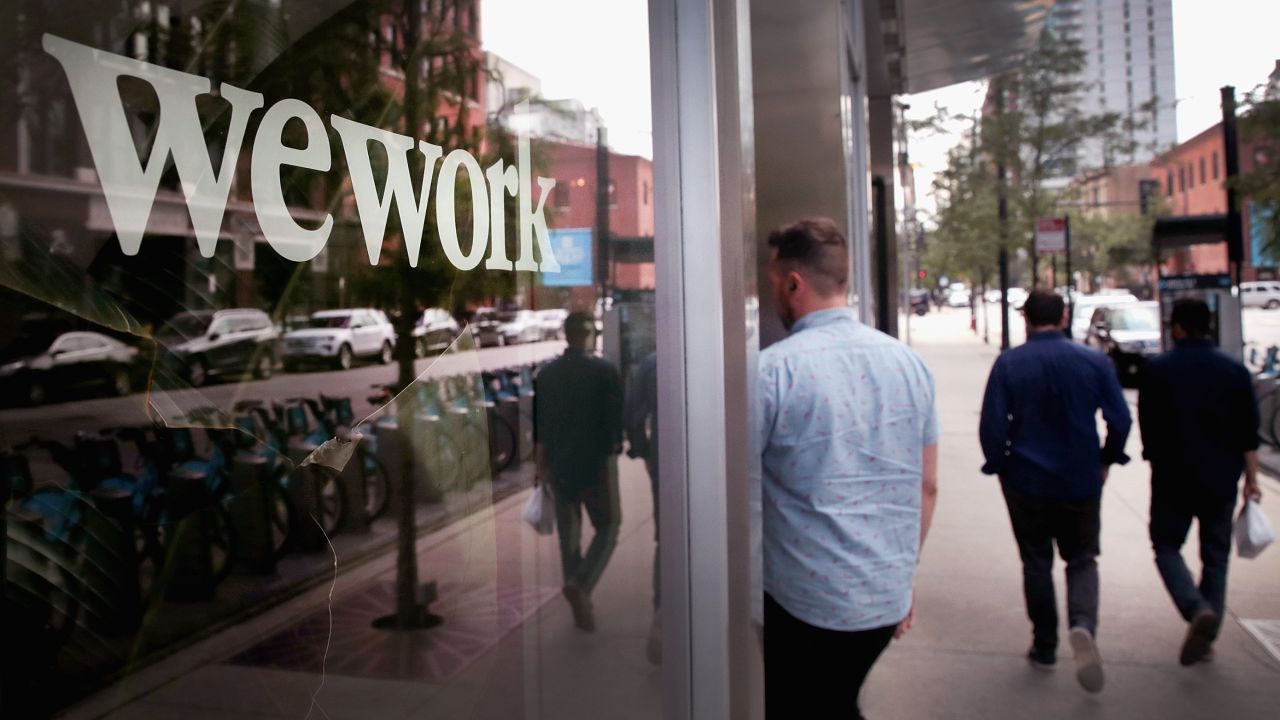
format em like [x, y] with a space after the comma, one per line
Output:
[583, 616]
[1199, 642]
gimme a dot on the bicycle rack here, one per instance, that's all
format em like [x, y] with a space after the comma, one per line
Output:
[250, 505]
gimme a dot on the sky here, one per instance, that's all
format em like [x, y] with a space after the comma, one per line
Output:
[1215, 43]
[596, 51]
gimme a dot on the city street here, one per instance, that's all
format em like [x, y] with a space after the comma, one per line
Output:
[59, 421]
[964, 659]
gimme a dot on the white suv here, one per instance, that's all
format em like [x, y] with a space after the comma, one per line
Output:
[1260, 294]
[340, 336]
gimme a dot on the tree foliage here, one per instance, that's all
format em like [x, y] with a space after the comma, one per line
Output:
[1035, 126]
[1260, 127]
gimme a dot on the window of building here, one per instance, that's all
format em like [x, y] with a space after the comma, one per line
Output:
[646, 192]
[560, 194]
[1215, 164]
[1182, 178]
[1169, 183]
[1202, 175]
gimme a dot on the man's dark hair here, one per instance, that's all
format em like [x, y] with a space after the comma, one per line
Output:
[815, 248]
[578, 327]
[1043, 308]
[1193, 316]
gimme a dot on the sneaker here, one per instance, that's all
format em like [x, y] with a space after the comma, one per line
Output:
[1042, 659]
[1199, 642]
[1088, 662]
[653, 648]
[583, 616]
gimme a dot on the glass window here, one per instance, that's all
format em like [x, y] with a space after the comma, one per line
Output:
[320, 503]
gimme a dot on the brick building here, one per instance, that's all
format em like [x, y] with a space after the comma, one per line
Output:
[1192, 180]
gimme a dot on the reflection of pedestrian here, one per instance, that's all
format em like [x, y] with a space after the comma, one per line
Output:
[1039, 434]
[641, 419]
[848, 439]
[1199, 421]
[578, 426]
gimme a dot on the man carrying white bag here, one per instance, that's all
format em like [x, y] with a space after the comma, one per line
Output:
[1199, 420]
[1253, 531]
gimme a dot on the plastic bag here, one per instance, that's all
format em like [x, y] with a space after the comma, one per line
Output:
[540, 511]
[1253, 531]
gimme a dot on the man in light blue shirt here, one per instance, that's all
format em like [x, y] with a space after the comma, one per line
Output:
[848, 438]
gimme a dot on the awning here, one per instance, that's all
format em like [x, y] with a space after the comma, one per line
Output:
[928, 44]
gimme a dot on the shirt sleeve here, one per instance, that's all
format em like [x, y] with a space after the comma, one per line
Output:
[1115, 412]
[993, 426]
[930, 431]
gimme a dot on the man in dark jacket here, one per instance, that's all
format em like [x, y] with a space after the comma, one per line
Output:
[1039, 435]
[578, 425]
[1199, 422]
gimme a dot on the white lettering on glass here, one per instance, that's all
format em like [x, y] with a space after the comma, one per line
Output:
[130, 185]
[290, 239]
[375, 210]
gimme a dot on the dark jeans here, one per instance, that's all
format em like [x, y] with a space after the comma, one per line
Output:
[1074, 525]
[811, 672]
[651, 465]
[1171, 515]
[604, 509]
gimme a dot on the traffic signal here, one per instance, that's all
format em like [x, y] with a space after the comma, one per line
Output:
[921, 274]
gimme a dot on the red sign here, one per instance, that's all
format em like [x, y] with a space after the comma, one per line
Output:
[1051, 236]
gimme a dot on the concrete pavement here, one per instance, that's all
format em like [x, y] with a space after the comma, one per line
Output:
[965, 657]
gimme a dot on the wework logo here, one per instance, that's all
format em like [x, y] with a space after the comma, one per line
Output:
[130, 183]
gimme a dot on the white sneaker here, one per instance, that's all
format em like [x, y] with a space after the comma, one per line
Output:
[1088, 661]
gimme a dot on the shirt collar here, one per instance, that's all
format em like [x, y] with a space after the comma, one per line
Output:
[1194, 343]
[1046, 335]
[818, 318]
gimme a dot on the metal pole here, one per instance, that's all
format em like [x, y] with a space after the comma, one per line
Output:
[1071, 281]
[1002, 208]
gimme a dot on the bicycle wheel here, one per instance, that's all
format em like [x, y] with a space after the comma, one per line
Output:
[526, 437]
[502, 443]
[445, 465]
[333, 502]
[222, 542]
[281, 518]
[1267, 410]
[377, 485]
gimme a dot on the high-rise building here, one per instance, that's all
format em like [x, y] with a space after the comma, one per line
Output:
[1128, 49]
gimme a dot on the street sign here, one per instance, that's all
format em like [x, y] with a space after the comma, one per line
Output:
[1051, 236]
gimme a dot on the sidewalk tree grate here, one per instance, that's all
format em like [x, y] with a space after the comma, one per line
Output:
[1267, 633]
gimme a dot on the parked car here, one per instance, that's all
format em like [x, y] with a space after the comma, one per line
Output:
[34, 368]
[338, 337]
[486, 327]
[1086, 304]
[520, 326]
[958, 295]
[1128, 333]
[434, 331]
[201, 344]
[1017, 298]
[552, 323]
[1260, 294]
[919, 300]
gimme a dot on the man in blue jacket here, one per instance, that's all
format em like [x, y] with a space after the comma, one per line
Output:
[1039, 435]
[1199, 422]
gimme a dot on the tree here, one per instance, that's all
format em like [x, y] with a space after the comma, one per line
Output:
[1260, 127]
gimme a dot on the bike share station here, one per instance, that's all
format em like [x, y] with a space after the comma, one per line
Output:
[1219, 290]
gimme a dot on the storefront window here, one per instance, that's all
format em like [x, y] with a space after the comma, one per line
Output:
[298, 326]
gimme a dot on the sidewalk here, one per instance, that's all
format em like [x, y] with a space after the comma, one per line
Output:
[509, 650]
[965, 657]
